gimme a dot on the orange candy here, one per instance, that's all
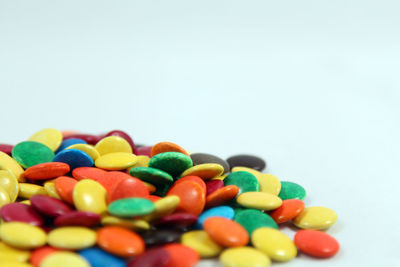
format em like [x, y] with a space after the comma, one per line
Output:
[222, 196]
[65, 187]
[181, 256]
[129, 187]
[194, 178]
[289, 209]
[120, 241]
[166, 147]
[111, 179]
[226, 232]
[153, 198]
[88, 173]
[192, 197]
[40, 253]
[47, 170]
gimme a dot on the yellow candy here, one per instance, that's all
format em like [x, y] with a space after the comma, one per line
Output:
[150, 187]
[90, 196]
[72, 237]
[142, 161]
[9, 183]
[26, 201]
[64, 259]
[316, 218]
[163, 207]
[205, 171]
[275, 244]
[244, 257]
[116, 161]
[136, 225]
[15, 264]
[49, 137]
[4, 197]
[113, 144]
[202, 243]
[29, 190]
[88, 149]
[268, 183]
[51, 189]
[259, 200]
[222, 177]
[8, 253]
[22, 235]
[10, 164]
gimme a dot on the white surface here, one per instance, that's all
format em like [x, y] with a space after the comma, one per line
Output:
[311, 86]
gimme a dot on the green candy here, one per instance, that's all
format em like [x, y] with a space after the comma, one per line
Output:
[151, 175]
[244, 180]
[252, 219]
[291, 190]
[173, 163]
[30, 153]
[129, 207]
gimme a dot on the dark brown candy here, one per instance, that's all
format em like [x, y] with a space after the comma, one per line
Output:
[248, 161]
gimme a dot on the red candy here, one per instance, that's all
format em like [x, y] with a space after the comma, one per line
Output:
[289, 209]
[213, 185]
[47, 170]
[88, 173]
[18, 212]
[144, 150]
[78, 218]
[178, 220]
[315, 243]
[6, 148]
[49, 206]
[156, 257]
[129, 187]
[192, 197]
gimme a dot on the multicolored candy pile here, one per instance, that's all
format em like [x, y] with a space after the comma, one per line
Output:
[70, 199]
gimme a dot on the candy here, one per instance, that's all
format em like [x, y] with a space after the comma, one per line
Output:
[120, 241]
[22, 235]
[100, 258]
[89, 195]
[252, 219]
[317, 218]
[173, 163]
[244, 180]
[18, 212]
[292, 190]
[10, 184]
[117, 204]
[289, 209]
[191, 195]
[201, 158]
[72, 237]
[226, 232]
[47, 170]
[316, 243]
[30, 153]
[74, 158]
[249, 161]
[50, 137]
[275, 244]
[129, 207]
[259, 200]
[49, 206]
[64, 259]
[244, 257]
[201, 242]
[113, 144]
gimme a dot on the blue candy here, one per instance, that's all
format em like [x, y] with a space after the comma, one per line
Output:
[69, 142]
[100, 258]
[221, 211]
[74, 158]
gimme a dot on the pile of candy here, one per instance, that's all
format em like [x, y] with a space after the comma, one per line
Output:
[70, 199]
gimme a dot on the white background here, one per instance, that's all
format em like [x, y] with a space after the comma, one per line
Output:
[311, 86]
